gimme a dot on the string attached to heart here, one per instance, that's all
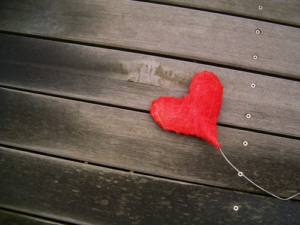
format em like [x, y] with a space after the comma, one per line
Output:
[241, 174]
[196, 113]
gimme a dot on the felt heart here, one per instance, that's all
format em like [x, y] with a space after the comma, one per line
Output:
[195, 113]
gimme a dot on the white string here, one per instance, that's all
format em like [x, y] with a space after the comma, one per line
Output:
[241, 174]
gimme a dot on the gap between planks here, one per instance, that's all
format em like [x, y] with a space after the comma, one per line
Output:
[12, 216]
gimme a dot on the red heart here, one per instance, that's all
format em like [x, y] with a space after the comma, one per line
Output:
[195, 113]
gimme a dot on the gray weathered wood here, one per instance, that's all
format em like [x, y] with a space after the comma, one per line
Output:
[135, 80]
[133, 141]
[85, 194]
[160, 29]
[12, 218]
[281, 11]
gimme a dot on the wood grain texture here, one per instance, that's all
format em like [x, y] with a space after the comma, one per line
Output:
[135, 80]
[133, 141]
[85, 194]
[281, 11]
[153, 28]
[12, 218]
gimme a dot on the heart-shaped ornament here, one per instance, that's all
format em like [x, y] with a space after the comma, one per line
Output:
[195, 113]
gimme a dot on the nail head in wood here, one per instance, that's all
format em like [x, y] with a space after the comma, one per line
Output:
[257, 31]
[235, 208]
[260, 7]
[253, 85]
[255, 57]
[245, 143]
[248, 115]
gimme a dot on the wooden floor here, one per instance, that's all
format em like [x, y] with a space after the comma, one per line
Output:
[77, 142]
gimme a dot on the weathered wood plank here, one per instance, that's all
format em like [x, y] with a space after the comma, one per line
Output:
[160, 29]
[115, 77]
[85, 194]
[12, 218]
[133, 141]
[281, 11]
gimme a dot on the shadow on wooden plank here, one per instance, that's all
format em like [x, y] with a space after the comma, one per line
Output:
[85, 194]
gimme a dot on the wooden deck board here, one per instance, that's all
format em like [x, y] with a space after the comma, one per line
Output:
[76, 82]
[131, 140]
[280, 11]
[135, 80]
[191, 34]
[85, 194]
